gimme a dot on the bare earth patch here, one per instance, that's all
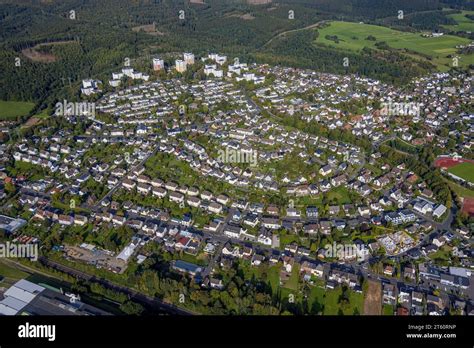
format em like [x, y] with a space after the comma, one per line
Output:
[36, 56]
[42, 57]
[245, 17]
[259, 2]
[32, 121]
[373, 299]
[149, 29]
[200, 2]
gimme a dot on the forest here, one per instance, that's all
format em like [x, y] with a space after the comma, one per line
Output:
[92, 38]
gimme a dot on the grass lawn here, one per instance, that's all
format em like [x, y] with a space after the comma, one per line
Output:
[10, 273]
[464, 23]
[273, 277]
[387, 310]
[316, 299]
[460, 190]
[463, 170]
[287, 238]
[443, 254]
[10, 110]
[292, 283]
[353, 36]
[330, 298]
[339, 194]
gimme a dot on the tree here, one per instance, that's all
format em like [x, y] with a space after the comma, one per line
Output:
[131, 308]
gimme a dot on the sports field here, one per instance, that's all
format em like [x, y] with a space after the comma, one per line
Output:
[10, 110]
[463, 170]
[354, 37]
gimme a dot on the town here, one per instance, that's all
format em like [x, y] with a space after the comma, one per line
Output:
[262, 169]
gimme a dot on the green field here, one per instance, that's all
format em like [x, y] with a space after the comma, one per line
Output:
[328, 301]
[461, 191]
[464, 23]
[10, 110]
[10, 275]
[353, 36]
[463, 170]
[388, 309]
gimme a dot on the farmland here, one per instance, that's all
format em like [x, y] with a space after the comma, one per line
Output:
[355, 36]
[464, 23]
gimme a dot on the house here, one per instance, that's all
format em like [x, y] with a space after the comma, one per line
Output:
[325, 170]
[206, 195]
[265, 237]
[251, 219]
[338, 180]
[118, 220]
[65, 220]
[80, 220]
[271, 223]
[159, 192]
[429, 272]
[292, 212]
[388, 270]
[215, 283]
[171, 186]
[325, 227]
[334, 210]
[363, 210]
[273, 210]
[343, 277]
[222, 199]
[232, 231]
[439, 241]
[215, 207]
[257, 259]
[404, 296]
[292, 247]
[176, 197]
[409, 273]
[417, 298]
[144, 188]
[313, 268]
[312, 212]
[193, 202]
[389, 294]
[310, 228]
[274, 257]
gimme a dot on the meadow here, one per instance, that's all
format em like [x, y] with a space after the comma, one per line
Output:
[464, 23]
[10, 110]
[355, 36]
